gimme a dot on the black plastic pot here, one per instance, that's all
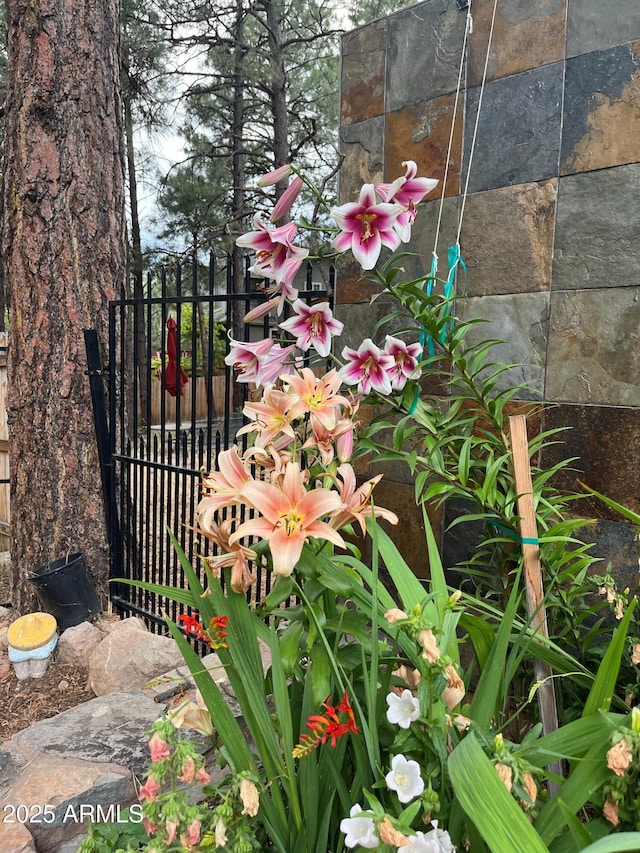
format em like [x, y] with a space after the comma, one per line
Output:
[66, 590]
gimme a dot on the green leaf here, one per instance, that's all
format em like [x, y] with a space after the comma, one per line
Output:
[621, 841]
[485, 800]
[320, 673]
[604, 685]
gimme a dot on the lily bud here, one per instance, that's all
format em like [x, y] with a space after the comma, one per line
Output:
[284, 203]
[275, 175]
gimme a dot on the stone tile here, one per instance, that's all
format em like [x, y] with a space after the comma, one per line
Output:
[360, 320]
[423, 239]
[526, 34]
[363, 147]
[421, 132]
[601, 124]
[363, 73]
[520, 322]
[518, 137]
[594, 25]
[351, 284]
[408, 535]
[598, 222]
[507, 238]
[606, 442]
[424, 43]
[594, 347]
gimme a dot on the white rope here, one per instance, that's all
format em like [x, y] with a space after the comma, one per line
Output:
[475, 128]
[468, 29]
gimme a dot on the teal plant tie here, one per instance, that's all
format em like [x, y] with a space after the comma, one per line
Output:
[454, 260]
[524, 540]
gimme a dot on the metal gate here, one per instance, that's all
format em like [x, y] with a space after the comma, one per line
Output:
[154, 445]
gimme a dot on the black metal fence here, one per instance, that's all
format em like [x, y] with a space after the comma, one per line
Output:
[159, 446]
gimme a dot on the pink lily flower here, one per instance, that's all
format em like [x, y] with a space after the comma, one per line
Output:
[368, 367]
[247, 358]
[285, 202]
[289, 514]
[280, 362]
[407, 191]
[405, 357]
[357, 501]
[316, 396]
[275, 175]
[313, 325]
[276, 256]
[223, 487]
[366, 225]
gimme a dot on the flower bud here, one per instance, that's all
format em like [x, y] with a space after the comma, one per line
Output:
[250, 797]
[427, 640]
[275, 176]
[395, 615]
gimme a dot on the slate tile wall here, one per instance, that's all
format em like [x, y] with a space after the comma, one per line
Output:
[551, 229]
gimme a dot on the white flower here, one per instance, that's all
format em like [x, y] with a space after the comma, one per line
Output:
[434, 841]
[405, 779]
[359, 830]
[404, 709]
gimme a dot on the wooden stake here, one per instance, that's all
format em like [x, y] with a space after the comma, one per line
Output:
[533, 572]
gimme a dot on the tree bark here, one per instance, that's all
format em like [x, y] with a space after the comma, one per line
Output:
[64, 247]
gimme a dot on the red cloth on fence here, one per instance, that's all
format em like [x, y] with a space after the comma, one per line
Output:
[172, 370]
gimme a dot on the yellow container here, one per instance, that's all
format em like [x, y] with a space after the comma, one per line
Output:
[31, 631]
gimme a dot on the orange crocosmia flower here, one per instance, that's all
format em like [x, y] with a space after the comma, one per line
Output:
[290, 514]
[357, 501]
[315, 396]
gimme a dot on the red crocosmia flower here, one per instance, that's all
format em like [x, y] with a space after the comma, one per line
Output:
[217, 632]
[191, 626]
[327, 727]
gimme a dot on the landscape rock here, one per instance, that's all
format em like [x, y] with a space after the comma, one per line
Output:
[76, 644]
[71, 789]
[15, 837]
[128, 657]
[107, 624]
[108, 729]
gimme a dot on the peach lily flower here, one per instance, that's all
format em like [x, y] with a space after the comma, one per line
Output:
[237, 556]
[357, 501]
[269, 416]
[223, 487]
[315, 396]
[290, 514]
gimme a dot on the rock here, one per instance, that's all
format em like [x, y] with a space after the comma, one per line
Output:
[15, 837]
[63, 685]
[128, 657]
[76, 644]
[62, 794]
[109, 729]
[107, 624]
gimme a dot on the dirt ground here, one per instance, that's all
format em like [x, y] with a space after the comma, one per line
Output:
[24, 702]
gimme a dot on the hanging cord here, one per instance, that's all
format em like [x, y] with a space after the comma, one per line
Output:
[475, 127]
[468, 29]
[454, 258]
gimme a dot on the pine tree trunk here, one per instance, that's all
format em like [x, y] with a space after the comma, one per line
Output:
[64, 247]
